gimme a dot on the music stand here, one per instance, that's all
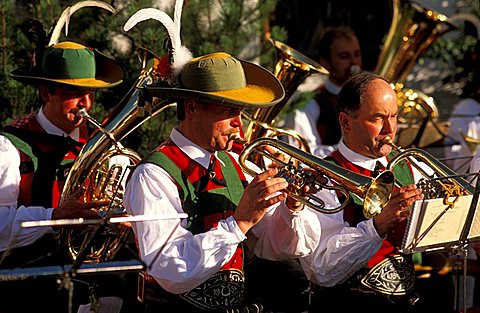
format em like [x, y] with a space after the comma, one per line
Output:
[436, 225]
[67, 272]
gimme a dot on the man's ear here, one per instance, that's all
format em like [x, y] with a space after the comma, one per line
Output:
[44, 93]
[344, 121]
[190, 107]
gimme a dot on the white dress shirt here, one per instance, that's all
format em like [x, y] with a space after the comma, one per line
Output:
[12, 235]
[179, 260]
[465, 117]
[342, 249]
[304, 120]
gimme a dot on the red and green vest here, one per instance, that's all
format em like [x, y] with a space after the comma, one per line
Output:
[207, 200]
[45, 160]
[353, 211]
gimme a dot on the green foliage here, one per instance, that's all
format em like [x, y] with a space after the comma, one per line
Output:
[207, 26]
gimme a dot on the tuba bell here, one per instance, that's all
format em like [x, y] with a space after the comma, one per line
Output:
[291, 69]
[103, 165]
[413, 29]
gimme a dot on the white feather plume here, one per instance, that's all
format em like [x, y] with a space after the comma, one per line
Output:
[64, 19]
[162, 17]
[180, 54]
[177, 14]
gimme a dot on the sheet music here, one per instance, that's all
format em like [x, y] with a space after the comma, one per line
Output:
[475, 228]
[446, 230]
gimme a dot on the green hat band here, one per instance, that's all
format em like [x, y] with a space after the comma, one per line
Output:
[214, 72]
[68, 63]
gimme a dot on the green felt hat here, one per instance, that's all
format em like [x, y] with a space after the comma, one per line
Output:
[221, 78]
[72, 64]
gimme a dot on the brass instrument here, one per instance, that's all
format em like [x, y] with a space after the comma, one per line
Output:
[291, 69]
[375, 191]
[93, 168]
[446, 184]
[413, 29]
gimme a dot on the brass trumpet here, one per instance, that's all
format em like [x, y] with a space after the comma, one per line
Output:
[375, 191]
[446, 184]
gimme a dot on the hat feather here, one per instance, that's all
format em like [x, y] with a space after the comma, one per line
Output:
[162, 17]
[180, 55]
[68, 12]
[177, 14]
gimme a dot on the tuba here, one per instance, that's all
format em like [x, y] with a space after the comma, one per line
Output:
[291, 69]
[413, 29]
[375, 191]
[103, 165]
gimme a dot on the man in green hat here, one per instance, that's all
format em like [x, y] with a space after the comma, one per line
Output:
[197, 264]
[35, 154]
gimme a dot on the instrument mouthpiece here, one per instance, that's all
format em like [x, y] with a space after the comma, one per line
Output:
[236, 138]
[355, 69]
[387, 140]
[82, 113]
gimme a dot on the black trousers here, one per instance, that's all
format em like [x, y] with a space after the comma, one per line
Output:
[280, 286]
[342, 299]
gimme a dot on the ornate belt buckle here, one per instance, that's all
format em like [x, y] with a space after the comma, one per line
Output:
[223, 289]
[393, 276]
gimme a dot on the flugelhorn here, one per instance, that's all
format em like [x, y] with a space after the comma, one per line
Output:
[375, 191]
[441, 182]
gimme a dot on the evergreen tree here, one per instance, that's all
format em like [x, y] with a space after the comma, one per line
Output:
[207, 26]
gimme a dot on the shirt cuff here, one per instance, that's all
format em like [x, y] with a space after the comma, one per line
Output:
[230, 225]
[370, 230]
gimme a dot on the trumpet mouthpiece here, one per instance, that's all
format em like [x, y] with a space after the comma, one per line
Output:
[355, 69]
[387, 140]
[236, 138]
[82, 113]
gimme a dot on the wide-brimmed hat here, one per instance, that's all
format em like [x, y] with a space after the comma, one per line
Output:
[72, 64]
[221, 78]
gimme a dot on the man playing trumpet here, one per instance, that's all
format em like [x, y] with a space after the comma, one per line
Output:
[352, 248]
[197, 264]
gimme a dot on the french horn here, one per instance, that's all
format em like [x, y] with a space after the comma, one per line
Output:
[103, 165]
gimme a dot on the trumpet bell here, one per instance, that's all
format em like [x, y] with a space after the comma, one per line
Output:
[378, 194]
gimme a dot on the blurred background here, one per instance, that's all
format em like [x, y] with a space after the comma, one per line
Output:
[445, 71]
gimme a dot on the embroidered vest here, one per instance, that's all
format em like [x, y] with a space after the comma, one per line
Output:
[353, 212]
[327, 123]
[45, 160]
[44, 163]
[207, 201]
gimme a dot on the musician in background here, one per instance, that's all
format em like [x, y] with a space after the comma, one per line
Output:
[340, 54]
[36, 152]
[197, 264]
[464, 131]
[357, 263]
